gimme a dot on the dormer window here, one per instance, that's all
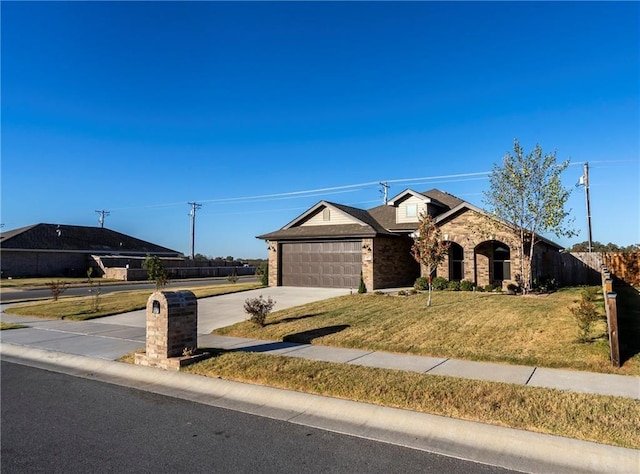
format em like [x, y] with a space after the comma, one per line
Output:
[326, 214]
[412, 210]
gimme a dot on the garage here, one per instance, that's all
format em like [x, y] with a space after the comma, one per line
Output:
[329, 264]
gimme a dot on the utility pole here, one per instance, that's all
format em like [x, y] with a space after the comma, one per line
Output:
[385, 187]
[586, 189]
[194, 207]
[584, 181]
[102, 216]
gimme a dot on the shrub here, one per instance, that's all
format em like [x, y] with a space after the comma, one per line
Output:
[466, 285]
[585, 315]
[513, 289]
[545, 285]
[439, 283]
[362, 288]
[454, 285]
[263, 272]
[57, 287]
[402, 293]
[233, 278]
[490, 287]
[155, 270]
[258, 309]
[422, 283]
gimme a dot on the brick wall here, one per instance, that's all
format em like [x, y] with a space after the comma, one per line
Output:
[394, 265]
[21, 264]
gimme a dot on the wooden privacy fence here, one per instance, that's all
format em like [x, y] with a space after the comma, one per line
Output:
[584, 268]
[611, 307]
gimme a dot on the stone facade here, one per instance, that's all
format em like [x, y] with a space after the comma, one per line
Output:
[476, 235]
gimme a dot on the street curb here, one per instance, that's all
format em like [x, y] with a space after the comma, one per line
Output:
[488, 444]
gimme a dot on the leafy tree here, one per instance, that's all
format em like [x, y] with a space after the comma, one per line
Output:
[428, 249]
[155, 270]
[600, 247]
[526, 191]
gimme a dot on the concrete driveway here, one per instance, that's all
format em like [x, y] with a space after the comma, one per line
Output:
[224, 310]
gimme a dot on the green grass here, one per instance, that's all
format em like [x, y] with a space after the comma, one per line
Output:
[82, 307]
[525, 330]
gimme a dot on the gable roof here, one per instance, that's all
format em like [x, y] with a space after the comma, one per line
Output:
[366, 225]
[463, 206]
[59, 237]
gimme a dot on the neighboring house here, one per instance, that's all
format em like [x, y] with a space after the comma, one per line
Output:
[330, 245]
[45, 250]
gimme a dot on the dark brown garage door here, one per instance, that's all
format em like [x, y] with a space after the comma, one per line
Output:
[321, 264]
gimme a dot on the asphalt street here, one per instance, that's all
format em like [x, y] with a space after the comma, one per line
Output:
[9, 294]
[56, 423]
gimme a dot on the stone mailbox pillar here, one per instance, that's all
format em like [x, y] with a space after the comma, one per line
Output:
[172, 330]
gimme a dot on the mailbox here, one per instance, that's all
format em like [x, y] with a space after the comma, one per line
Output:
[172, 324]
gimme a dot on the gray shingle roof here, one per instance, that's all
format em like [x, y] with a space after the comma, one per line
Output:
[77, 238]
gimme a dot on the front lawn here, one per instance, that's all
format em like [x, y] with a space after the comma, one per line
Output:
[526, 330]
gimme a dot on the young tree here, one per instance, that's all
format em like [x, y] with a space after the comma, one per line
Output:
[526, 191]
[155, 270]
[428, 249]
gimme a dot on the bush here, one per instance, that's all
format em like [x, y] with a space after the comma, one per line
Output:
[422, 284]
[402, 293]
[466, 285]
[454, 285]
[490, 287]
[263, 272]
[57, 287]
[545, 285]
[233, 278]
[362, 288]
[585, 314]
[258, 309]
[439, 283]
[513, 289]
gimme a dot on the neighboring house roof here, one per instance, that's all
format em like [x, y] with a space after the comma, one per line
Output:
[59, 237]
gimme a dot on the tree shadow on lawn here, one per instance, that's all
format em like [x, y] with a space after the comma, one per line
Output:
[293, 318]
[305, 337]
[628, 306]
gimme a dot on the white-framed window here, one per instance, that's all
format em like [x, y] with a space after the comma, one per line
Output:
[412, 210]
[326, 214]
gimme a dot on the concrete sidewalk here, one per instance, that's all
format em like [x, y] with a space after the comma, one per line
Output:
[90, 348]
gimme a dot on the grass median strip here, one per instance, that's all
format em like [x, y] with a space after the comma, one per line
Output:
[82, 307]
[597, 418]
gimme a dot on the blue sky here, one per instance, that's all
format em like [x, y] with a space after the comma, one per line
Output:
[258, 110]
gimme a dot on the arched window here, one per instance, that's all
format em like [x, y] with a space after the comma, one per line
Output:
[456, 259]
[501, 262]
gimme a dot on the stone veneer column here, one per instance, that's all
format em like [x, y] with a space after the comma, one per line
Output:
[367, 264]
[273, 262]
